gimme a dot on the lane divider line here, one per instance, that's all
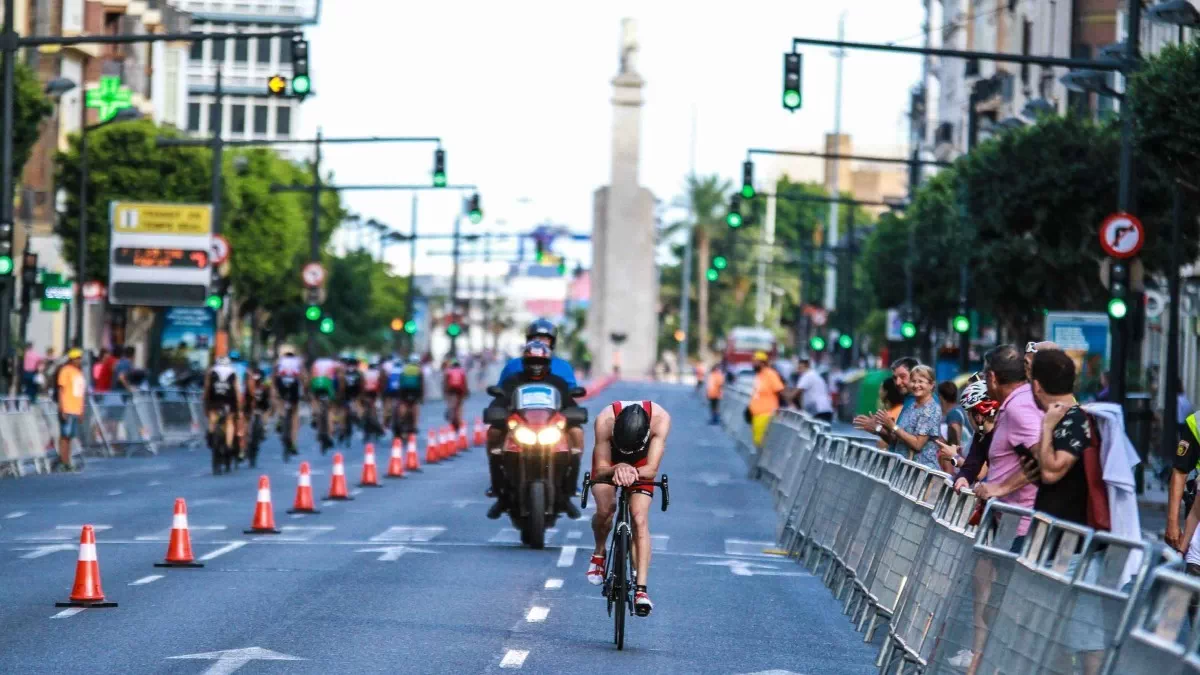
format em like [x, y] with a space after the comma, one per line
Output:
[114, 493]
[233, 546]
[146, 580]
[566, 557]
[574, 534]
[16, 514]
[553, 584]
[513, 658]
[67, 613]
[537, 614]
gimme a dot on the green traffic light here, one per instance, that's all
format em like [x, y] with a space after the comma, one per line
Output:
[439, 179]
[1117, 308]
[562, 268]
[312, 313]
[845, 341]
[961, 324]
[327, 325]
[712, 274]
[476, 216]
[748, 191]
[213, 301]
[410, 327]
[817, 343]
[908, 329]
[720, 262]
[301, 85]
[6, 265]
[453, 330]
[734, 219]
[791, 99]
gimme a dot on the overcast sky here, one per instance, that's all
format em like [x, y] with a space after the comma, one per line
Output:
[519, 93]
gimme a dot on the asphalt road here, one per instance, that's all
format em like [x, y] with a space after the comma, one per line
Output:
[408, 578]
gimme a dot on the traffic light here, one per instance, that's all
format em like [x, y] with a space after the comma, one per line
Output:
[453, 329]
[1118, 286]
[410, 327]
[817, 343]
[6, 249]
[908, 329]
[397, 324]
[845, 341]
[748, 179]
[734, 218]
[327, 325]
[962, 323]
[791, 82]
[712, 274]
[562, 267]
[680, 335]
[213, 301]
[474, 212]
[312, 313]
[301, 84]
[277, 85]
[29, 279]
[720, 262]
[217, 289]
[439, 168]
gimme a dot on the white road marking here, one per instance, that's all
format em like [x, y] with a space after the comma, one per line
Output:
[658, 542]
[392, 553]
[508, 535]
[537, 614]
[405, 533]
[514, 658]
[230, 660]
[297, 515]
[146, 580]
[194, 530]
[114, 493]
[566, 557]
[749, 548]
[327, 502]
[553, 584]
[62, 533]
[355, 492]
[154, 483]
[39, 551]
[73, 502]
[575, 534]
[16, 514]
[66, 613]
[232, 546]
[745, 568]
[303, 532]
[723, 513]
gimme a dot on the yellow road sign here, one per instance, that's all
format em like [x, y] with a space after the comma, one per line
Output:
[154, 218]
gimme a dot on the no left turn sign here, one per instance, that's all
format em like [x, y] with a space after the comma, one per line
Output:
[313, 275]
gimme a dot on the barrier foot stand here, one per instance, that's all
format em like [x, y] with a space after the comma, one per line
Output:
[827, 578]
[262, 531]
[89, 605]
[842, 586]
[870, 632]
[312, 511]
[884, 661]
[846, 605]
[178, 564]
[370, 485]
[864, 608]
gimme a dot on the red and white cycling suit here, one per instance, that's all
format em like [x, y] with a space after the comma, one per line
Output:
[638, 458]
[371, 381]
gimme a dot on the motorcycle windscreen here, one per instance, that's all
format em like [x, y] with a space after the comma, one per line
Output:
[536, 397]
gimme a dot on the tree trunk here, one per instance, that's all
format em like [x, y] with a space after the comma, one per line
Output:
[703, 254]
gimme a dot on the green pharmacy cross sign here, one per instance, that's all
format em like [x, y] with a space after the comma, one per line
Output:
[109, 98]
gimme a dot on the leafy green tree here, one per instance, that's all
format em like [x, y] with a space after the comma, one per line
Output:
[30, 108]
[1168, 131]
[706, 198]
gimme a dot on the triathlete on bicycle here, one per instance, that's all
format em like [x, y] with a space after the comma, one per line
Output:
[289, 376]
[408, 385]
[371, 384]
[258, 410]
[389, 389]
[322, 389]
[351, 387]
[455, 392]
[222, 396]
[631, 438]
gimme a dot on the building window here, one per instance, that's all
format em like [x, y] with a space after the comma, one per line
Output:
[241, 51]
[285, 51]
[283, 121]
[260, 119]
[193, 120]
[238, 124]
[197, 51]
[264, 50]
[214, 119]
[218, 51]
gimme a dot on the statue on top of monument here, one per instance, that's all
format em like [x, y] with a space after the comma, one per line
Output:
[629, 46]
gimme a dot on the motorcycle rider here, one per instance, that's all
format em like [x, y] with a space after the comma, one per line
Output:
[222, 396]
[536, 366]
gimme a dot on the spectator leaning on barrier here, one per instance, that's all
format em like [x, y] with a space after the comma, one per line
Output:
[123, 370]
[715, 386]
[31, 363]
[764, 400]
[914, 434]
[812, 394]
[891, 402]
[71, 388]
[956, 427]
[982, 409]
[879, 423]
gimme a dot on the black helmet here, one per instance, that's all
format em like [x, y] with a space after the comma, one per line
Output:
[631, 429]
[535, 360]
[542, 328]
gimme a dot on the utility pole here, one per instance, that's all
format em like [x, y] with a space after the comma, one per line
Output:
[487, 287]
[218, 184]
[314, 236]
[454, 275]
[762, 296]
[410, 294]
[980, 90]
[832, 238]
[685, 294]
[1119, 328]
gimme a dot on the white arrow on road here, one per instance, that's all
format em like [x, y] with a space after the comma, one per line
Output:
[712, 479]
[744, 568]
[393, 553]
[39, 551]
[229, 660]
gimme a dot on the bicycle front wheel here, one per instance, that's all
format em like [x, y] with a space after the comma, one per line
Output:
[620, 589]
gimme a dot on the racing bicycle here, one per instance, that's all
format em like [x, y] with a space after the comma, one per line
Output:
[618, 581]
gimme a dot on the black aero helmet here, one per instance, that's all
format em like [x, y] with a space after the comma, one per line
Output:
[535, 360]
[631, 429]
[542, 328]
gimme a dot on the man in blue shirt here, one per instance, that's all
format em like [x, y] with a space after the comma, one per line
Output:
[545, 332]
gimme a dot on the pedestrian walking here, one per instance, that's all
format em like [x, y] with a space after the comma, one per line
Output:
[764, 400]
[31, 365]
[812, 393]
[71, 389]
[715, 389]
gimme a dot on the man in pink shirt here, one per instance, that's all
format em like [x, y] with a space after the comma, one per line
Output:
[1018, 423]
[30, 365]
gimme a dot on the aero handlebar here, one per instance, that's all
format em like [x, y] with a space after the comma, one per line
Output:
[666, 492]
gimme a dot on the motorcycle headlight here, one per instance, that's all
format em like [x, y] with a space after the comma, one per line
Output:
[525, 435]
[549, 436]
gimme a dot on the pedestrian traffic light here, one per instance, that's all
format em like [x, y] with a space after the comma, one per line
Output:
[312, 313]
[712, 274]
[562, 267]
[213, 301]
[817, 343]
[6, 249]
[453, 329]
[962, 323]
[327, 325]
[397, 324]
[748, 179]
[1118, 285]
[439, 168]
[791, 82]
[410, 327]
[474, 211]
[734, 219]
[301, 84]
[277, 85]
[720, 262]
[908, 329]
[845, 341]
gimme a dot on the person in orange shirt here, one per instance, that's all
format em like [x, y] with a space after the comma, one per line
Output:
[71, 388]
[764, 400]
[715, 388]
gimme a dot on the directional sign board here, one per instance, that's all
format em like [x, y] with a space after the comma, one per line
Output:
[159, 254]
[1122, 235]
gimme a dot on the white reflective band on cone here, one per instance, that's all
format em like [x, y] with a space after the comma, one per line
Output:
[339, 470]
[264, 495]
[395, 451]
[369, 459]
[305, 480]
[87, 552]
[179, 522]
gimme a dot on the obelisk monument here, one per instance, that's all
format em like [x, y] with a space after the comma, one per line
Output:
[624, 280]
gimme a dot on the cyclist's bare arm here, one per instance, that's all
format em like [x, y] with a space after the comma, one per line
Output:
[660, 426]
[602, 452]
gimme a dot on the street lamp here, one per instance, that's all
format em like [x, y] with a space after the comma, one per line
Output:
[59, 86]
[1010, 123]
[123, 115]
[1038, 107]
[1089, 81]
[1175, 12]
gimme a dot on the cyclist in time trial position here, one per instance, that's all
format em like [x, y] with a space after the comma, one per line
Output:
[408, 383]
[289, 376]
[454, 388]
[222, 394]
[323, 387]
[370, 397]
[351, 387]
[631, 437]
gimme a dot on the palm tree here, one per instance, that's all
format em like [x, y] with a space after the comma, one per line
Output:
[706, 201]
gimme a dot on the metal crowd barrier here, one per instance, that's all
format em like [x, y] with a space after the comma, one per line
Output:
[963, 589]
[27, 439]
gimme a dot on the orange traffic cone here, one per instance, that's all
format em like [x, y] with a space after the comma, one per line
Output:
[396, 463]
[179, 550]
[264, 514]
[462, 439]
[304, 497]
[431, 448]
[87, 592]
[337, 483]
[413, 464]
[369, 476]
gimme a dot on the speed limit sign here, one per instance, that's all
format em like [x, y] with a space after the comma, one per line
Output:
[313, 275]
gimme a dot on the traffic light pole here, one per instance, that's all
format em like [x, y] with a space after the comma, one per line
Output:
[314, 236]
[454, 277]
[1119, 328]
[411, 292]
[218, 184]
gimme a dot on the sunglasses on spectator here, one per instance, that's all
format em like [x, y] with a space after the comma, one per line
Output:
[1031, 348]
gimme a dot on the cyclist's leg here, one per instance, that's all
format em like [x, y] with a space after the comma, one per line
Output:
[414, 415]
[213, 417]
[639, 514]
[230, 428]
[605, 498]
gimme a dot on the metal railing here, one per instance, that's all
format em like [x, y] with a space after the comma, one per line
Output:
[959, 588]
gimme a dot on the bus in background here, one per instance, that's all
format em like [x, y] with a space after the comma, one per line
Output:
[741, 344]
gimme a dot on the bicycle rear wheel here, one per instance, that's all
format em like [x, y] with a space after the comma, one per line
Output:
[620, 589]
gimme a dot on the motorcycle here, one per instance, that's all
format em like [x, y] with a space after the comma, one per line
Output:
[535, 455]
